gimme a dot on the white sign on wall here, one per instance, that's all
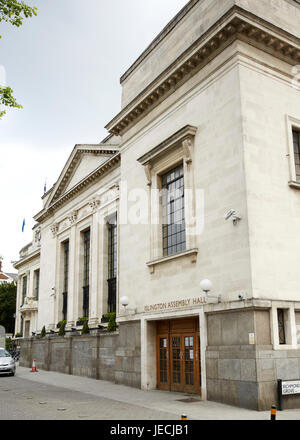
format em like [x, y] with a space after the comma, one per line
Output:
[290, 387]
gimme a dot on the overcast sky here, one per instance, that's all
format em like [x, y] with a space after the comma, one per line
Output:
[64, 67]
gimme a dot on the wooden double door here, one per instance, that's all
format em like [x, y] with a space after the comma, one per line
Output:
[178, 355]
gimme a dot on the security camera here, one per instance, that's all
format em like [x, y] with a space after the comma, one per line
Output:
[229, 214]
[241, 297]
[235, 217]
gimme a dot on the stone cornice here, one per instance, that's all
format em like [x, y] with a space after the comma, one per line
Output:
[81, 186]
[27, 258]
[236, 24]
[181, 135]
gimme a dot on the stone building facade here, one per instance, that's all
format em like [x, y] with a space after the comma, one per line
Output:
[198, 179]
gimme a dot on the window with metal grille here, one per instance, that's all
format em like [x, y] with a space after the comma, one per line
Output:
[281, 326]
[66, 279]
[86, 272]
[173, 219]
[296, 141]
[24, 289]
[112, 264]
[36, 283]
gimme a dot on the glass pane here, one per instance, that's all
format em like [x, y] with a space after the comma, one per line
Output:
[173, 211]
[189, 360]
[176, 359]
[296, 139]
[163, 363]
[281, 326]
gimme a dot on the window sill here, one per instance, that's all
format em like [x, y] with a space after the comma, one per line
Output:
[192, 253]
[294, 184]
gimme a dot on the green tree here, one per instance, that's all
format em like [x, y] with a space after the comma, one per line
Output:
[8, 295]
[13, 12]
[43, 332]
[112, 325]
[62, 328]
[85, 329]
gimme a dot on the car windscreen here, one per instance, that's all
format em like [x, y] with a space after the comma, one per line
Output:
[4, 353]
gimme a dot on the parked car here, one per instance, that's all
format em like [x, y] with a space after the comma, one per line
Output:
[7, 363]
[15, 354]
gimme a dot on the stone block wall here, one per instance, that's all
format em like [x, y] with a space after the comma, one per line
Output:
[113, 357]
[128, 355]
[244, 374]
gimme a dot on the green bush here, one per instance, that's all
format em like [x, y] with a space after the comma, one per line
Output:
[82, 320]
[112, 325]
[85, 329]
[8, 344]
[62, 326]
[43, 332]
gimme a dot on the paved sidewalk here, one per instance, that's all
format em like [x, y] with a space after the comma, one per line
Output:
[166, 402]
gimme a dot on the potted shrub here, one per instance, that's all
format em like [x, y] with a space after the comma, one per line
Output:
[43, 332]
[85, 329]
[60, 323]
[62, 327]
[112, 325]
[82, 320]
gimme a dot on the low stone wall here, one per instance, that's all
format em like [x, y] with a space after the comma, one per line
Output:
[242, 374]
[113, 357]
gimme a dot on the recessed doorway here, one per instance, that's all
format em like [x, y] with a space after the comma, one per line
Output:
[178, 355]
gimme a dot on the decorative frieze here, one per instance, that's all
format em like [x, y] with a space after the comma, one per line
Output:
[73, 217]
[54, 229]
[94, 204]
[187, 146]
[37, 236]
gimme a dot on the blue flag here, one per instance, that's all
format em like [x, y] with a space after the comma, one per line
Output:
[23, 225]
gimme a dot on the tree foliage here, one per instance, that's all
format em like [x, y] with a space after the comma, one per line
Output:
[7, 99]
[8, 295]
[85, 329]
[13, 12]
[43, 332]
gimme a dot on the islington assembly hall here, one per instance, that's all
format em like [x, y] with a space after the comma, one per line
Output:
[176, 239]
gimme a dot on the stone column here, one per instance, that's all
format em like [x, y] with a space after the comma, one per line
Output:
[73, 260]
[18, 304]
[30, 285]
[203, 345]
[148, 355]
[95, 257]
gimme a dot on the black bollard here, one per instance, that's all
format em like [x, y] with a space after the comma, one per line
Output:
[273, 412]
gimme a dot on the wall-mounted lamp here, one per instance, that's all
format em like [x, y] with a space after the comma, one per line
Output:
[206, 286]
[124, 301]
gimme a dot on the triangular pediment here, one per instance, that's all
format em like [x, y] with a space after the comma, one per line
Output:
[83, 160]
